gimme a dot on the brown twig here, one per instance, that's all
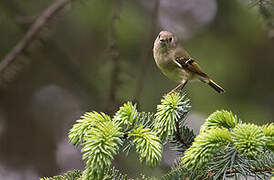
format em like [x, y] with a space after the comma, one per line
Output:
[33, 30]
[147, 50]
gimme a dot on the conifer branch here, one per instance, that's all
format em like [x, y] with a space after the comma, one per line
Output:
[220, 119]
[182, 139]
[147, 145]
[225, 146]
[71, 175]
[267, 170]
[171, 111]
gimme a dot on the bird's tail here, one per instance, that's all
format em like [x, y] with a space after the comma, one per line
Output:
[215, 86]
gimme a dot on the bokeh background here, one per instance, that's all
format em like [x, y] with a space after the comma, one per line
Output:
[97, 54]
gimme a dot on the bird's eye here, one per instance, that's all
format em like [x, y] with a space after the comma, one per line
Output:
[170, 39]
[159, 36]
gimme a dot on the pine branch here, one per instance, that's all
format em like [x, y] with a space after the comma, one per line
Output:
[229, 162]
[225, 147]
[147, 145]
[204, 146]
[144, 119]
[220, 119]
[269, 135]
[177, 173]
[126, 116]
[182, 139]
[88, 120]
[171, 111]
[113, 173]
[248, 139]
[101, 144]
[263, 170]
[70, 175]
[180, 172]
[109, 174]
[100, 139]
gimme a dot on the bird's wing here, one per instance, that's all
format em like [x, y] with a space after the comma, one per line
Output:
[189, 64]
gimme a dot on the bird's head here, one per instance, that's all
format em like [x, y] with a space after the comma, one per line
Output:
[165, 40]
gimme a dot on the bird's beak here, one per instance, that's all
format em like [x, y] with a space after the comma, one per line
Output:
[162, 40]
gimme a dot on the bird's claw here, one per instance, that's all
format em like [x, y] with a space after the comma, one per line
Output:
[172, 91]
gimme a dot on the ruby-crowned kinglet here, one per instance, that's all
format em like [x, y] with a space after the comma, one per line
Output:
[177, 64]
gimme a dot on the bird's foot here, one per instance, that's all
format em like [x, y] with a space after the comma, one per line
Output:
[177, 87]
[170, 92]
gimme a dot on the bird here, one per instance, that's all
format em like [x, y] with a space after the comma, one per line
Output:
[176, 63]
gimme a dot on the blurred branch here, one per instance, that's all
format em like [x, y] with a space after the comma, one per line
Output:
[114, 53]
[25, 19]
[147, 49]
[32, 32]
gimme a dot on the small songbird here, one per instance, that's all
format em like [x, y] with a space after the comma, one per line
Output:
[173, 60]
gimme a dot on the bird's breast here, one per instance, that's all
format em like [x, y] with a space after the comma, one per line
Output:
[164, 61]
[172, 70]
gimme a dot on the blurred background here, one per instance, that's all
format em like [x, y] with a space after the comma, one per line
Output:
[96, 54]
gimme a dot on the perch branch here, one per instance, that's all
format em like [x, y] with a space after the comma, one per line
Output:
[40, 21]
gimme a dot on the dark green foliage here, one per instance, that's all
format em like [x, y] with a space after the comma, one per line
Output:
[146, 119]
[229, 162]
[113, 173]
[176, 174]
[182, 139]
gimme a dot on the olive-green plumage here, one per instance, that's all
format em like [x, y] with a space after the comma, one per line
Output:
[174, 61]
